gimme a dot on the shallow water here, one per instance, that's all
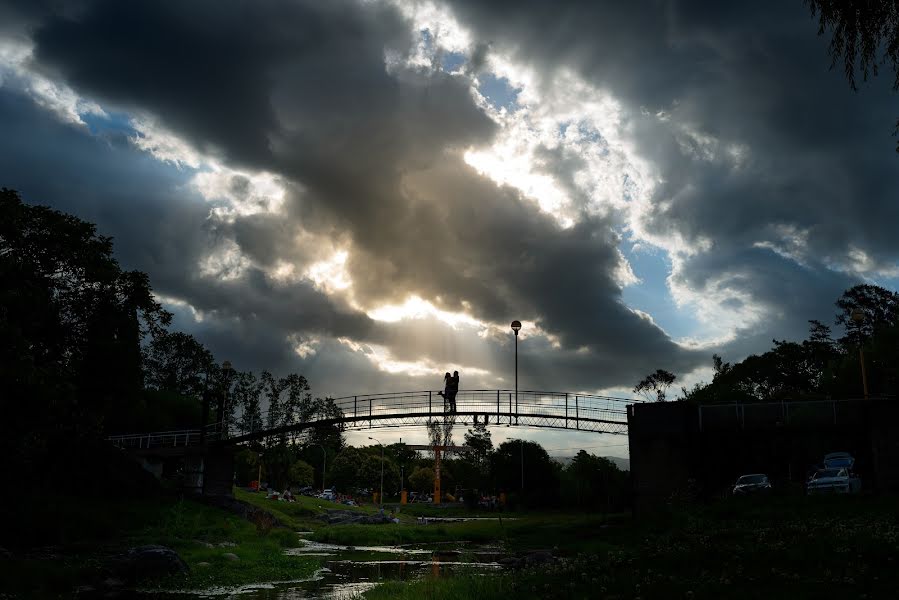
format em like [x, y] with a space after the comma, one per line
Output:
[351, 570]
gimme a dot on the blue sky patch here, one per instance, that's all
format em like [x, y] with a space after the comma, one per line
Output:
[651, 295]
[498, 91]
[451, 61]
[110, 122]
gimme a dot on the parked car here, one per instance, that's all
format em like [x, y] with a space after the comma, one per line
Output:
[751, 484]
[328, 494]
[834, 481]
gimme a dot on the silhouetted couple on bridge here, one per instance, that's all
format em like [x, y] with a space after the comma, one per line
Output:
[451, 388]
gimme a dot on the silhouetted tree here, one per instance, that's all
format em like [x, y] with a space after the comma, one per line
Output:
[344, 471]
[879, 306]
[247, 390]
[478, 445]
[864, 35]
[541, 473]
[301, 474]
[595, 482]
[177, 362]
[422, 480]
[655, 385]
[71, 322]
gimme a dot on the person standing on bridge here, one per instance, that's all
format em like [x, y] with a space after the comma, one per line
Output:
[453, 389]
[447, 385]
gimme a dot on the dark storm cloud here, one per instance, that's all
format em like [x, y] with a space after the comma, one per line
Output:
[103, 179]
[793, 150]
[158, 225]
[372, 155]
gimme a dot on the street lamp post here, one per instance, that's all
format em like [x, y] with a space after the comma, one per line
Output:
[381, 496]
[324, 464]
[516, 325]
[858, 316]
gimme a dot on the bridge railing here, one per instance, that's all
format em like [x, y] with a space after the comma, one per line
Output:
[160, 439]
[561, 410]
[553, 409]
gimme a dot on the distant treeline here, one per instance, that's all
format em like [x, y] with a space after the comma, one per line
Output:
[523, 471]
[820, 366]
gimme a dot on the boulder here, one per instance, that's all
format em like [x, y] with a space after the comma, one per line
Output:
[147, 562]
[231, 556]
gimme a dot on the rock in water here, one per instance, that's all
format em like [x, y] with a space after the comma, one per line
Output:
[148, 562]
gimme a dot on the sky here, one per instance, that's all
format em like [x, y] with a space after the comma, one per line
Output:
[367, 192]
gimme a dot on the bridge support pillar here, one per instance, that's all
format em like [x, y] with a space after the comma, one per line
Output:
[193, 473]
[218, 472]
[209, 471]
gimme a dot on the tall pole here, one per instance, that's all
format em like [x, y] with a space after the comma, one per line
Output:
[324, 464]
[381, 496]
[516, 325]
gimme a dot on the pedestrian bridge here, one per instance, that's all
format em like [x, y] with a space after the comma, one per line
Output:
[555, 410]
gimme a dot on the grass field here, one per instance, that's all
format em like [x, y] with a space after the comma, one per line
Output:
[778, 548]
[301, 515]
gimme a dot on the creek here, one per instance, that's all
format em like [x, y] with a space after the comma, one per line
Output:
[348, 571]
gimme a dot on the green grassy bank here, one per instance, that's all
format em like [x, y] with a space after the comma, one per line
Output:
[75, 537]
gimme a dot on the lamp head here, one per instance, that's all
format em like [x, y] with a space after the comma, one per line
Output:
[857, 315]
[516, 325]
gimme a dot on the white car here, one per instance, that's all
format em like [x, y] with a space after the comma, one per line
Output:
[834, 481]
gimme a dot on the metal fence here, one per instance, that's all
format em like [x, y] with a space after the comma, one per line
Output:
[803, 413]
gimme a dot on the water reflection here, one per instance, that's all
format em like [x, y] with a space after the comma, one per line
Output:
[352, 571]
